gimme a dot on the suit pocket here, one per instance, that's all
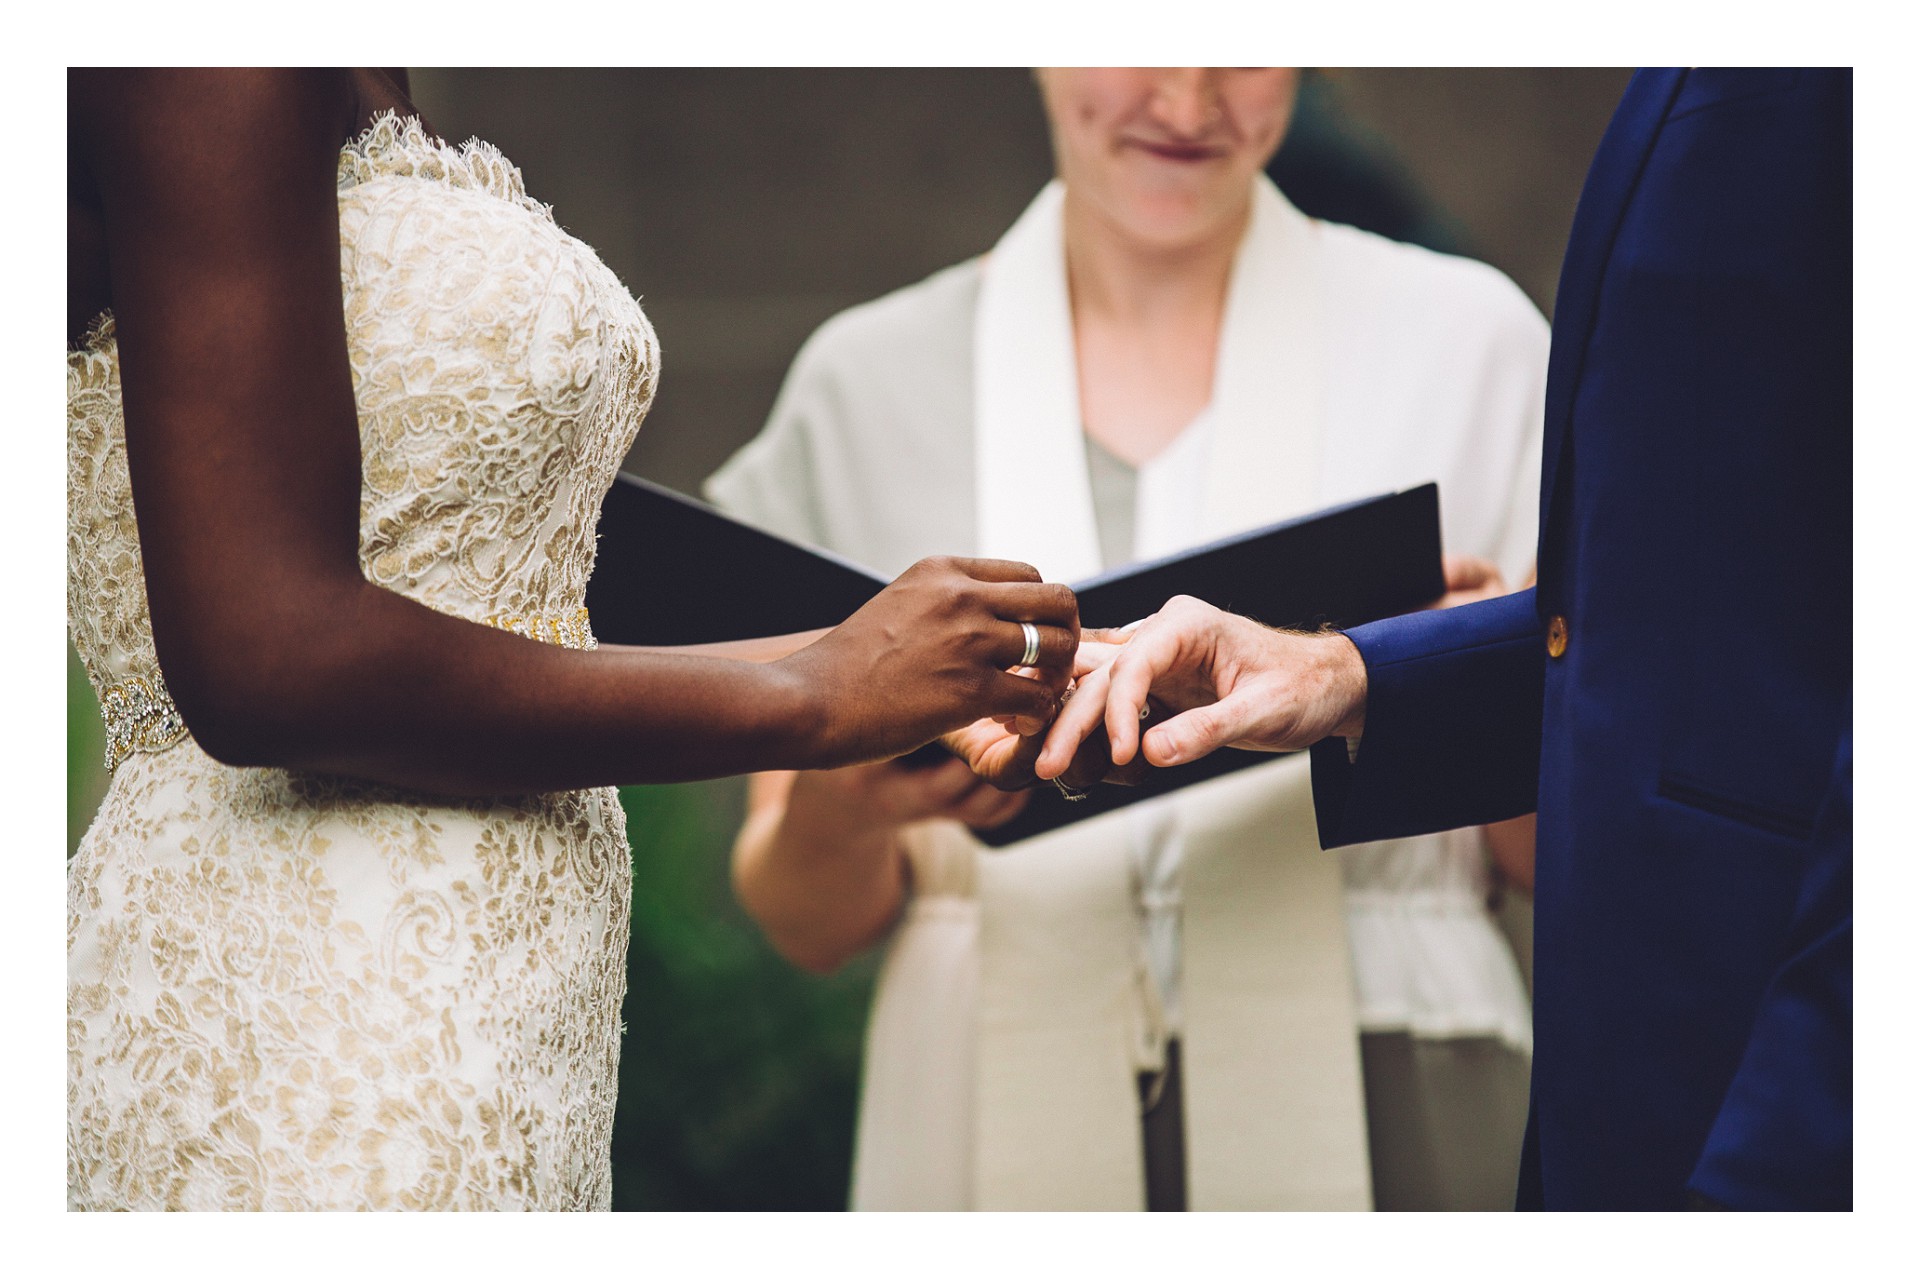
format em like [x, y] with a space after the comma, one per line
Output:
[1773, 820]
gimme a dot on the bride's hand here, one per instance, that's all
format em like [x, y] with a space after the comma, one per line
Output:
[1002, 751]
[934, 652]
[997, 753]
[842, 805]
[1004, 759]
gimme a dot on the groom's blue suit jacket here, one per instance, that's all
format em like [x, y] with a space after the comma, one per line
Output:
[1689, 748]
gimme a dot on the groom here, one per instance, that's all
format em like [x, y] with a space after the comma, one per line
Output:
[1675, 697]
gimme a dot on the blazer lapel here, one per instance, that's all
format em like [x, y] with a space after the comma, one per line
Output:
[1603, 202]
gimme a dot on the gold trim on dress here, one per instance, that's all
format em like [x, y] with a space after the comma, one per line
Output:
[568, 630]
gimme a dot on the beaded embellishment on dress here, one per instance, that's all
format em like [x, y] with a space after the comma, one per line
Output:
[571, 631]
[138, 718]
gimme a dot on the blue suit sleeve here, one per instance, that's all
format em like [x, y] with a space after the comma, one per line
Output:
[1453, 725]
[1783, 1138]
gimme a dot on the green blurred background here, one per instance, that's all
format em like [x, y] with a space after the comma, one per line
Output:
[746, 207]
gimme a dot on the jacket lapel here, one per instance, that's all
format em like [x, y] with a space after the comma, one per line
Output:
[1603, 202]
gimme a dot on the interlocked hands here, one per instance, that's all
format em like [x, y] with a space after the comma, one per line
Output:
[1188, 681]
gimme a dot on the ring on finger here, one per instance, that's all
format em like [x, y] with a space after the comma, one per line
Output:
[1031, 654]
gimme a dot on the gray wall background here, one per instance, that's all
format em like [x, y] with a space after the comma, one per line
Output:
[747, 206]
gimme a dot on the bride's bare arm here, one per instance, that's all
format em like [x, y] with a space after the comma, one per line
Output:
[769, 649]
[217, 196]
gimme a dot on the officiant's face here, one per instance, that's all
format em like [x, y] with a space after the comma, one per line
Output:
[1167, 154]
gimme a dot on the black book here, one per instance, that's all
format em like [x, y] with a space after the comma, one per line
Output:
[672, 570]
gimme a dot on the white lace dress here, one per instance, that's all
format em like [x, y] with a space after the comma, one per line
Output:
[291, 991]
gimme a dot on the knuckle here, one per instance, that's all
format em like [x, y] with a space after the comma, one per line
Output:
[1188, 607]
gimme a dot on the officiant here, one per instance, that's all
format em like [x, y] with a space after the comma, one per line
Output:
[1184, 1003]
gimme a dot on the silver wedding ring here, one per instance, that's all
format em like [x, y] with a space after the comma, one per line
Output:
[1032, 654]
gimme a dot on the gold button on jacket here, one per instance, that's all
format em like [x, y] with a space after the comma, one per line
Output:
[1556, 635]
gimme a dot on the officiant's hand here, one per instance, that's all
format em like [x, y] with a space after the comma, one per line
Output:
[935, 651]
[1469, 580]
[1229, 681]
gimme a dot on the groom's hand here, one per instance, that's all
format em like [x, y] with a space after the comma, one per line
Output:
[1230, 680]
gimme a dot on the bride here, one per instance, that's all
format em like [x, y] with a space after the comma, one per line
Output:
[342, 402]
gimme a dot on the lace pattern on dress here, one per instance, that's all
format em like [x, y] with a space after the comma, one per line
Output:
[397, 146]
[293, 991]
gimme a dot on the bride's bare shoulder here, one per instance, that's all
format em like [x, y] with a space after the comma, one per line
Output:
[204, 107]
[139, 137]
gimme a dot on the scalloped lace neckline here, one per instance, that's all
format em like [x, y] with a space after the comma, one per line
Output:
[397, 146]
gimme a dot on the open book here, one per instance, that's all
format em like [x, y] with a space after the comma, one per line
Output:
[672, 570]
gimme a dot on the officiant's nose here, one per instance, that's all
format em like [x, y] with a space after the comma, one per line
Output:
[1186, 100]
